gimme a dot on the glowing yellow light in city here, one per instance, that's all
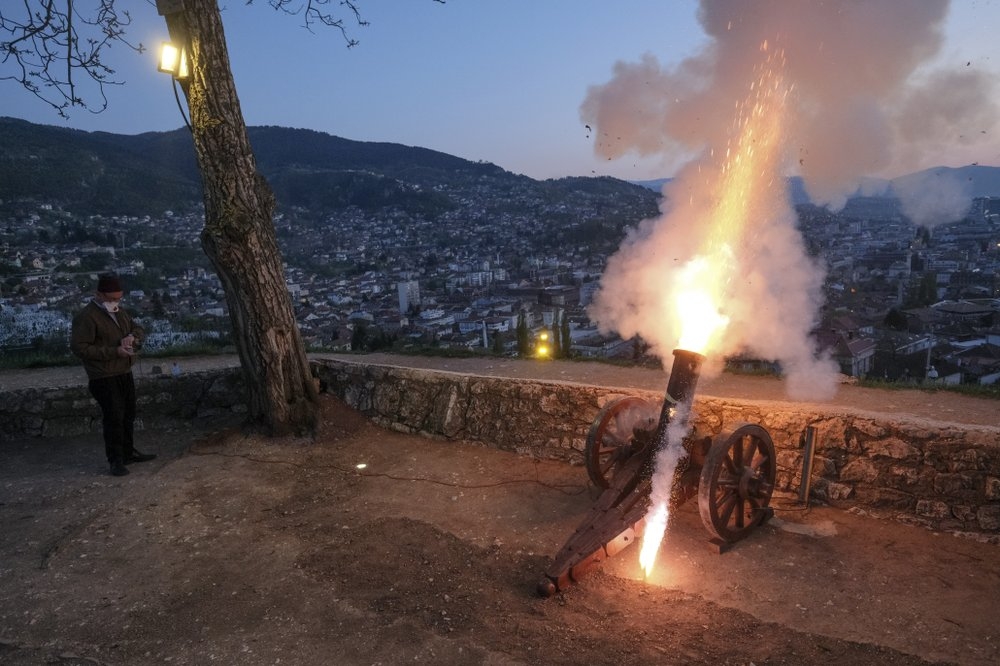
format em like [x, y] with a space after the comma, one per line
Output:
[543, 336]
[656, 526]
[543, 350]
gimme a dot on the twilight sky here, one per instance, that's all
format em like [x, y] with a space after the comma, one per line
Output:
[495, 80]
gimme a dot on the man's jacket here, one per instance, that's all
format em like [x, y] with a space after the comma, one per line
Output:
[96, 337]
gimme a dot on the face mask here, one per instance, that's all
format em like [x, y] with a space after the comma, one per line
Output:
[111, 306]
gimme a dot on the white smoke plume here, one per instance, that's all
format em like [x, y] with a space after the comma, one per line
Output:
[933, 197]
[669, 455]
[852, 98]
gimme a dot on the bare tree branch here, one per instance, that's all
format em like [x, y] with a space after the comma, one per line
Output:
[40, 36]
[36, 38]
[315, 11]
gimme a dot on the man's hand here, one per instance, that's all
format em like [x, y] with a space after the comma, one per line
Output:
[127, 346]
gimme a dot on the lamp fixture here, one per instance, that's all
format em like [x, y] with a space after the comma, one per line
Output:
[173, 61]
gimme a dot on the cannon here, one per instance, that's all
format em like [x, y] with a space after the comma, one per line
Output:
[732, 474]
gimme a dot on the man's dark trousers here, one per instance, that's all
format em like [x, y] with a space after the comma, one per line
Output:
[116, 396]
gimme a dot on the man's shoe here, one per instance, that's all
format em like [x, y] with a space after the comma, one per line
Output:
[118, 468]
[139, 457]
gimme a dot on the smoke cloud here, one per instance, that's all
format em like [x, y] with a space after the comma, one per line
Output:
[835, 92]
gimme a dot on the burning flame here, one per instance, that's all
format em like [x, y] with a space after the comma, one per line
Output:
[656, 525]
[697, 306]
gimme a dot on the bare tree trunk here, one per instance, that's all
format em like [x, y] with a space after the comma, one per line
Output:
[239, 236]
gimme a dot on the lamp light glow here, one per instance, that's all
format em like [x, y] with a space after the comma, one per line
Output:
[170, 57]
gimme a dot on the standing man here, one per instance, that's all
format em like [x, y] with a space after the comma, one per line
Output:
[107, 339]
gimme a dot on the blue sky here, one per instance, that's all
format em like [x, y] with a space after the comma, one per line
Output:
[494, 80]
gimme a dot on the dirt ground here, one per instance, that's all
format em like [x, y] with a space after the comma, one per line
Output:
[231, 549]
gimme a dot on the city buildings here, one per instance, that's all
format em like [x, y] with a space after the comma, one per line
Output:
[899, 300]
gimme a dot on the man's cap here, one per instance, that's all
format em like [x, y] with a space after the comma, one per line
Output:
[108, 283]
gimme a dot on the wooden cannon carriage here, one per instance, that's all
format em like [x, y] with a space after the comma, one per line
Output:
[732, 474]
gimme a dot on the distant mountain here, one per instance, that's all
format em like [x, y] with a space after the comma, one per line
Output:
[100, 172]
[795, 184]
[90, 172]
[655, 185]
[978, 181]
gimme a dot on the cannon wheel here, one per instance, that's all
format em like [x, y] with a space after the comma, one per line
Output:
[736, 483]
[612, 429]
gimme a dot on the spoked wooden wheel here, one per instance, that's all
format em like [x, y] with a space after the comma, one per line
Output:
[611, 434]
[736, 483]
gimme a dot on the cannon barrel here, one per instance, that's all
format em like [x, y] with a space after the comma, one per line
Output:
[618, 516]
[680, 388]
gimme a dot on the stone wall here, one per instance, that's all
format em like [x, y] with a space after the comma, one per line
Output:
[943, 476]
[164, 402]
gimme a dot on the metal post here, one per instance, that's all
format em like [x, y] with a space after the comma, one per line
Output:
[807, 464]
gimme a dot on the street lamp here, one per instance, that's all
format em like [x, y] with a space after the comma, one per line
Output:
[542, 349]
[173, 58]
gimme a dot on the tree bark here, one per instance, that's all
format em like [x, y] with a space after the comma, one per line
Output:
[239, 236]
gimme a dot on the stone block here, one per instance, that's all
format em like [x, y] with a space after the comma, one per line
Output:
[823, 466]
[853, 444]
[34, 406]
[967, 459]
[870, 428]
[907, 476]
[963, 512]
[789, 459]
[785, 481]
[933, 509]
[988, 517]
[839, 491]
[859, 469]
[953, 484]
[707, 415]
[893, 447]
[67, 426]
[992, 488]
[733, 416]
[982, 438]
[791, 423]
[831, 432]
[32, 425]
[11, 403]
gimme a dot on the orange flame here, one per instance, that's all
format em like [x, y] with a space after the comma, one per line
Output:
[697, 304]
[652, 536]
